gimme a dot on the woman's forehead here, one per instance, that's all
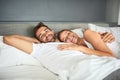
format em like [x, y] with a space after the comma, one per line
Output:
[64, 34]
[66, 31]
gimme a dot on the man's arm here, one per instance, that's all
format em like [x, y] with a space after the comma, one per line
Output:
[19, 42]
[29, 39]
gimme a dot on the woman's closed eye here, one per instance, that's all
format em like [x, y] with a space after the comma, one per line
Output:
[66, 37]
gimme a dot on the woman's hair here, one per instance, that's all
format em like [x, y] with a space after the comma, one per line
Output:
[59, 34]
[40, 24]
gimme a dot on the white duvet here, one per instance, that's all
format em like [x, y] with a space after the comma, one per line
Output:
[68, 64]
[75, 65]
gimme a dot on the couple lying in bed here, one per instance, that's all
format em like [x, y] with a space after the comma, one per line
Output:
[43, 34]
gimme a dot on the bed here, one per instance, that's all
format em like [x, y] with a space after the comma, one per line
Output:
[17, 65]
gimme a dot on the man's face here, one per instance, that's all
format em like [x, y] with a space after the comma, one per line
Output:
[68, 36]
[45, 35]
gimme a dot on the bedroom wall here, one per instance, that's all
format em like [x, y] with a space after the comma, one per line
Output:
[53, 10]
[119, 16]
[112, 11]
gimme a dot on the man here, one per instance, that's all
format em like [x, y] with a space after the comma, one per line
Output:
[43, 33]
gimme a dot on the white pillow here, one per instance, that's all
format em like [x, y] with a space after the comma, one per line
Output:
[116, 32]
[98, 28]
[10, 56]
[78, 31]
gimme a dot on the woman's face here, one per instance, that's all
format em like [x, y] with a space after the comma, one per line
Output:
[69, 36]
[45, 35]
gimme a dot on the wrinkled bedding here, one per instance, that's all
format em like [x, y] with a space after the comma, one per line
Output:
[17, 65]
[75, 65]
[72, 65]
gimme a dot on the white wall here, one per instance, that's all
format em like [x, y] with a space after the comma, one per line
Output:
[119, 16]
[53, 10]
[112, 10]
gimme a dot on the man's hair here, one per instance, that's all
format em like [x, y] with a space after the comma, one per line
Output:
[59, 34]
[40, 24]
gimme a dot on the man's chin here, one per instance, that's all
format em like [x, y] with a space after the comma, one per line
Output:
[53, 40]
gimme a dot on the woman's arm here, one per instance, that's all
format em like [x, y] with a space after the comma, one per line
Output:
[20, 42]
[84, 50]
[95, 39]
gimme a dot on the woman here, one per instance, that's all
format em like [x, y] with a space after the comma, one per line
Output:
[91, 42]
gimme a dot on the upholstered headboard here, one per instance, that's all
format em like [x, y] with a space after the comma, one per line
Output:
[25, 28]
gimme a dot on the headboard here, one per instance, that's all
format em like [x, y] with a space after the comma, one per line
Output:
[25, 28]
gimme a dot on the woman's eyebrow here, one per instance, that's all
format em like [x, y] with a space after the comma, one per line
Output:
[66, 35]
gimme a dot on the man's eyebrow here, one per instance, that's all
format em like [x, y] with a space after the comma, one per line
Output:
[45, 29]
[40, 35]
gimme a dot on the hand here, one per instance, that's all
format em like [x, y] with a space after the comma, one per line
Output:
[107, 37]
[71, 46]
[68, 47]
[36, 41]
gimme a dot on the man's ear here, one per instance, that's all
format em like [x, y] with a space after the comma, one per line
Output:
[57, 40]
[52, 30]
